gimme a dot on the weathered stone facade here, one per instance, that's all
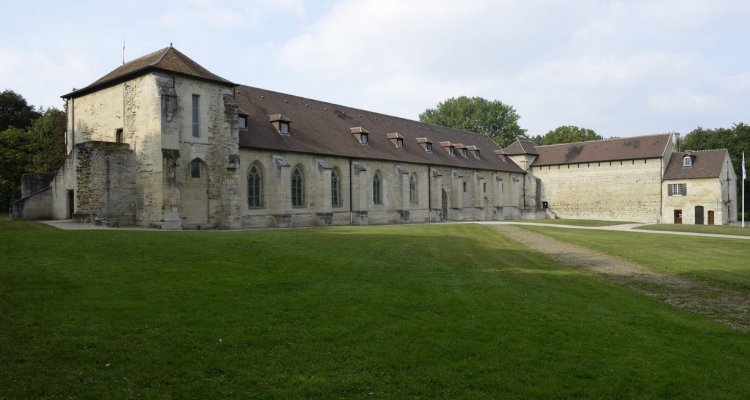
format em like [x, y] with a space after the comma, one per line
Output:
[161, 142]
[627, 190]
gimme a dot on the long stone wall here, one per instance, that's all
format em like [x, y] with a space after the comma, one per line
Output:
[441, 193]
[618, 190]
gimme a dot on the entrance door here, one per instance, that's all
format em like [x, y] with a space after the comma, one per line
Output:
[710, 217]
[677, 216]
[195, 194]
[445, 205]
[699, 215]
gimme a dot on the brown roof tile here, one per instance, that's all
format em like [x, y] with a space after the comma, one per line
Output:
[167, 59]
[632, 148]
[705, 164]
[324, 128]
[520, 147]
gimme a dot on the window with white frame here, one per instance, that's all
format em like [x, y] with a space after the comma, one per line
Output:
[677, 189]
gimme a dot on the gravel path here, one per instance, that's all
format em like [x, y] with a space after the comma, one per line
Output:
[728, 306]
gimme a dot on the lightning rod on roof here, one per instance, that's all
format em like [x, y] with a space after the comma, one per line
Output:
[123, 51]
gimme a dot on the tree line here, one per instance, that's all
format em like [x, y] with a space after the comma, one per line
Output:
[32, 140]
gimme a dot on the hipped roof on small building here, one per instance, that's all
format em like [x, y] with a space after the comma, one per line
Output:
[521, 147]
[167, 59]
[323, 128]
[705, 164]
[631, 148]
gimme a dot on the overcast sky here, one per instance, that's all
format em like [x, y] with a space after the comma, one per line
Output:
[622, 68]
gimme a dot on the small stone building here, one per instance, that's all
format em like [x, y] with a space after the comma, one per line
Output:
[631, 179]
[700, 188]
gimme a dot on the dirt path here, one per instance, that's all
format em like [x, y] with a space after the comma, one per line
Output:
[728, 306]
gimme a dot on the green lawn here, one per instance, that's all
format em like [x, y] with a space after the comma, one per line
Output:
[430, 311]
[721, 261]
[575, 222]
[720, 229]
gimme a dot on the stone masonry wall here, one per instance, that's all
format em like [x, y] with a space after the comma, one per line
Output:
[618, 190]
[106, 181]
[489, 195]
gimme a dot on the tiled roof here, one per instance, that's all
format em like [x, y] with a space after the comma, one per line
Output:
[323, 128]
[631, 148]
[167, 59]
[705, 164]
[520, 147]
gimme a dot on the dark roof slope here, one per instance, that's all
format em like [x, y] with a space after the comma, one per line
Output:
[632, 148]
[521, 147]
[706, 164]
[167, 59]
[323, 128]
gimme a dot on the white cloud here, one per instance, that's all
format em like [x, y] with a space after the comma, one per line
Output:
[623, 68]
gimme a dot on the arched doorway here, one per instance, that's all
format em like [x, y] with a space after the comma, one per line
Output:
[445, 205]
[699, 215]
[194, 194]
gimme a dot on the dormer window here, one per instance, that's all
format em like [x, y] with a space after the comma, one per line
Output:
[449, 147]
[281, 123]
[242, 121]
[464, 151]
[687, 161]
[474, 150]
[425, 143]
[361, 134]
[396, 139]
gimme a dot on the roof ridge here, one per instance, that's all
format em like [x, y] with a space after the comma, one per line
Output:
[604, 140]
[165, 50]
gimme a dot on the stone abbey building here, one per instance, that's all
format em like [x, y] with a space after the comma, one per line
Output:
[162, 142]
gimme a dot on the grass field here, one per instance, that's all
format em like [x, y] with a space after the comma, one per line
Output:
[575, 222]
[720, 261]
[718, 229]
[432, 311]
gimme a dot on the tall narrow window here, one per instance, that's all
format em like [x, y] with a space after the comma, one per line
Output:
[118, 135]
[377, 188]
[335, 189]
[413, 189]
[196, 119]
[255, 187]
[298, 188]
[195, 168]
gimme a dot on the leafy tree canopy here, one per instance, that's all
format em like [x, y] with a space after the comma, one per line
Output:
[735, 139]
[31, 142]
[567, 134]
[495, 119]
[15, 111]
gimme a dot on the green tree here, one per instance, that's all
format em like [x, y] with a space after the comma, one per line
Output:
[735, 139]
[568, 134]
[495, 119]
[31, 142]
[15, 111]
